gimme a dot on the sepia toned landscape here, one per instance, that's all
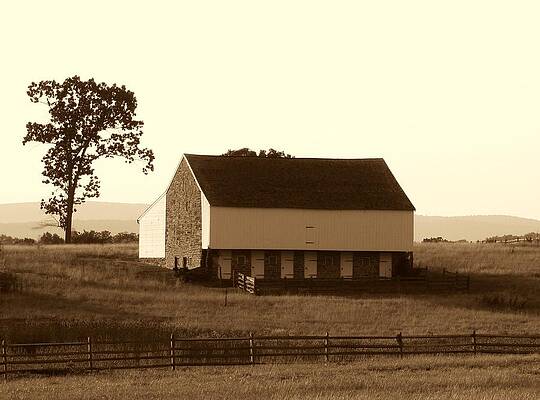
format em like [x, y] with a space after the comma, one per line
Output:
[270, 200]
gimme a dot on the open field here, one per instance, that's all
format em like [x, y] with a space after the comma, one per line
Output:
[75, 291]
[70, 292]
[483, 377]
[492, 259]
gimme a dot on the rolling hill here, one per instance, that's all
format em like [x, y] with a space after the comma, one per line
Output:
[26, 219]
[474, 227]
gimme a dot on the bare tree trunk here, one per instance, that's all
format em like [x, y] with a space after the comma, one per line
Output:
[69, 214]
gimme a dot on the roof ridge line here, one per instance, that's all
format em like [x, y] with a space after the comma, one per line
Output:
[283, 158]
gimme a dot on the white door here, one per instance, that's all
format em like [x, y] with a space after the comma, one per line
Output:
[310, 264]
[257, 264]
[287, 264]
[347, 265]
[224, 264]
[385, 265]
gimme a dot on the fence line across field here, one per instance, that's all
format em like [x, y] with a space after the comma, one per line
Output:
[445, 280]
[91, 355]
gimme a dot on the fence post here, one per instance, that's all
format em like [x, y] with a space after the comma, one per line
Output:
[326, 347]
[474, 341]
[4, 359]
[173, 344]
[399, 339]
[89, 351]
[251, 355]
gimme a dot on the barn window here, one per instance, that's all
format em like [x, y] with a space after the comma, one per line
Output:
[271, 260]
[184, 262]
[240, 259]
[364, 262]
[329, 260]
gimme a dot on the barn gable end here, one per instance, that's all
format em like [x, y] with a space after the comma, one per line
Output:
[183, 239]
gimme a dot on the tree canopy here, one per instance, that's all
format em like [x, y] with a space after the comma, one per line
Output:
[246, 152]
[88, 120]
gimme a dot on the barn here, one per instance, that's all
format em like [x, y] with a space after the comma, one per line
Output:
[281, 218]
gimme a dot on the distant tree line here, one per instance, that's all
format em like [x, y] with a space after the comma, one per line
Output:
[85, 237]
[437, 239]
[5, 239]
[440, 239]
[528, 237]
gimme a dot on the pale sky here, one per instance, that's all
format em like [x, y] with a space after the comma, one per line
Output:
[448, 93]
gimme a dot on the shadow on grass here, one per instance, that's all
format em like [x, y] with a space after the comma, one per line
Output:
[491, 292]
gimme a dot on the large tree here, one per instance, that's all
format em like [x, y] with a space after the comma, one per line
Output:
[246, 152]
[88, 120]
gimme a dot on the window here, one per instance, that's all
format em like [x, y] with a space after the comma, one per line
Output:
[271, 260]
[363, 262]
[240, 260]
[327, 261]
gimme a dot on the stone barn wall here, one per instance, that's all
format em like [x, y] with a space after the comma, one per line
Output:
[183, 220]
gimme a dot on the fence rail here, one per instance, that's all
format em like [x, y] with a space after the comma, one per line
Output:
[246, 283]
[423, 280]
[89, 355]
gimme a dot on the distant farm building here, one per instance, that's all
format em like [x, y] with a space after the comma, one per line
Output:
[277, 218]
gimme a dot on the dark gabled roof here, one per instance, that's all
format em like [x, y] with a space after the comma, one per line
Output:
[310, 183]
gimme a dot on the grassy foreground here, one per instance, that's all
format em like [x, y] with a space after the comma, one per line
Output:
[71, 292]
[74, 291]
[409, 378]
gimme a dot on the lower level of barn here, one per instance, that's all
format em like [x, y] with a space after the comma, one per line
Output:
[288, 264]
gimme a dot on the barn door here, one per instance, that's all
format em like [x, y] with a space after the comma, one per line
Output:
[385, 265]
[272, 264]
[224, 264]
[310, 264]
[257, 264]
[287, 264]
[347, 265]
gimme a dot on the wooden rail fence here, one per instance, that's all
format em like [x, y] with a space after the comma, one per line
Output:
[423, 281]
[245, 282]
[90, 355]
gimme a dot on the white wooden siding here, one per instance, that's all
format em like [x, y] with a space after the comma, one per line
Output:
[294, 229]
[152, 231]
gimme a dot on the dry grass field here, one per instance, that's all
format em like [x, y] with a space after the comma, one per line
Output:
[70, 292]
[469, 378]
